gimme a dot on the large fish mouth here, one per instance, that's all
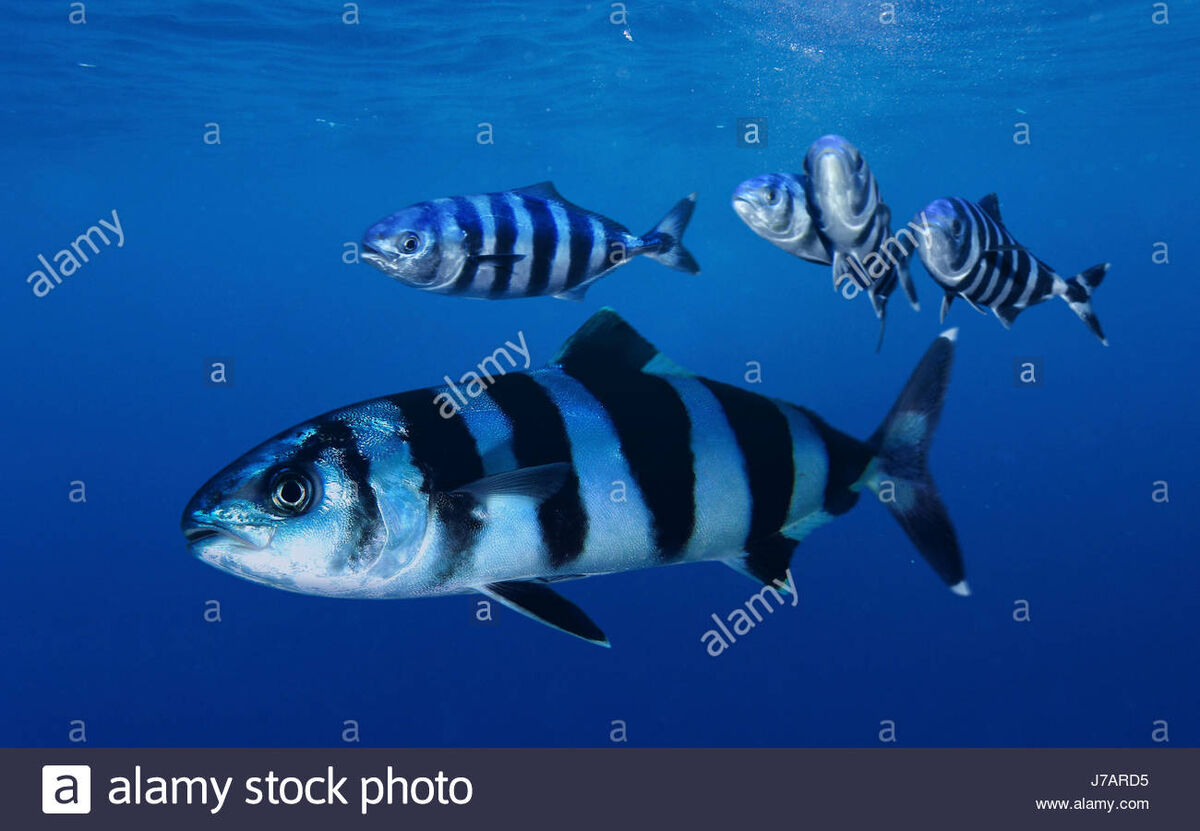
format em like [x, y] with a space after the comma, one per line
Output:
[199, 533]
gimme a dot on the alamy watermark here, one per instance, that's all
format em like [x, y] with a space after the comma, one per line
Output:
[474, 383]
[894, 250]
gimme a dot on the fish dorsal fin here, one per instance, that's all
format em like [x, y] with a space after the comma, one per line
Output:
[606, 341]
[542, 190]
[991, 206]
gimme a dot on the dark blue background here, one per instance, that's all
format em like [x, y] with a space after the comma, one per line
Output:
[235, 251]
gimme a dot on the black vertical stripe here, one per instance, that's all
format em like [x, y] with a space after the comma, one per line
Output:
[1023, 275]
[506, 237]
[545, 242]
[654, 430]
[765, 441]
[364, 533]
[444, 450]
[468, 221]
[581, 247]
[540, 438]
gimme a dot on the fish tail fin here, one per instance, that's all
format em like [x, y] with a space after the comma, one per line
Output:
[899, 476]
[664, 242]
[1079, 297]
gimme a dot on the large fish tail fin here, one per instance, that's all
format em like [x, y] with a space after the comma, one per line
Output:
[664, 242]
[899, 475]
[1079, 297]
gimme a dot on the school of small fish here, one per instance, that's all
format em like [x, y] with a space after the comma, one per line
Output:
[511, 489]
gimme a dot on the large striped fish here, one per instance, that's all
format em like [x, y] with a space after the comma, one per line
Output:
[970, 254]
[609, 459]
[843, 197]
[519, 243]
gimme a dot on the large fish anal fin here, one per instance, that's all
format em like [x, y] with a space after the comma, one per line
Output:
[541, 190]
[991, 206]
[538, 482]
[607, 342]
[767, 561]
[542, 603]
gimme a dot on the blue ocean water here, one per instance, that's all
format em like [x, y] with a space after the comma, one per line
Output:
[235, 251]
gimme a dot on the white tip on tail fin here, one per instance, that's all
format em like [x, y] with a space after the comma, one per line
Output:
[951, 334]
[961, 589]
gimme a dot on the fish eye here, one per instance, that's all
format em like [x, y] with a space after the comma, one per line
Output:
[956, 227]
[409, 243]
[771, 195]
[291, 492]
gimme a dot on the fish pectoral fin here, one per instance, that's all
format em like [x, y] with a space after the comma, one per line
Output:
[767, 561]
[946, 301]
[538, 482]
[495, 259]
[545, 605]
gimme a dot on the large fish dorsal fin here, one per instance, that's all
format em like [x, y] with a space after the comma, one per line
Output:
[991, 206]
[606, 340]
[542, 190]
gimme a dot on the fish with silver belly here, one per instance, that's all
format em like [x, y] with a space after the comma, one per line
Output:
[390, 498]
[831, 214]
[775, 206]
[969, 252]
[846, 207]
[527, 242]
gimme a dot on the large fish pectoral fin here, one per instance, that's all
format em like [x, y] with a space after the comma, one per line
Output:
[545, 605]
[538, 482]
[767, 562]
[946, 301]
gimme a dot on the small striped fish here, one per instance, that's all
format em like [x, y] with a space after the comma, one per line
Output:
[831, 214]
[527, 242]
[775, 206]
[611, 458]
[844, 200]
[968, 251]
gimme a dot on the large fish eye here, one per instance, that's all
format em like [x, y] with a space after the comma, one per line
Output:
[409, 243]
[291, 492]
[956, 227]
[771, 195]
